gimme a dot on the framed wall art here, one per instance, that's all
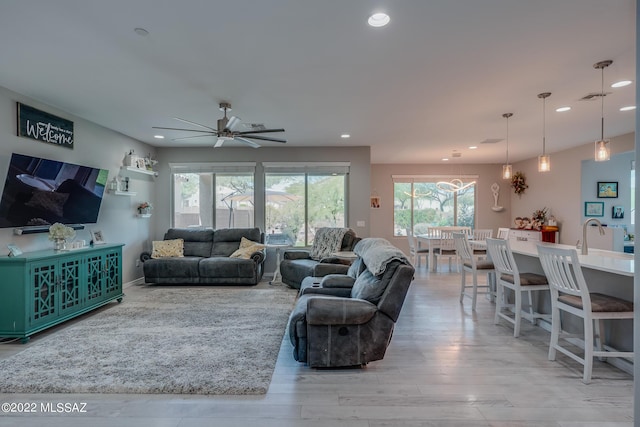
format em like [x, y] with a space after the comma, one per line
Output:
[593, 208]
[617, 212]
[607, 189]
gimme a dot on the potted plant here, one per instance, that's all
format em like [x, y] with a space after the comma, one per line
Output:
[144, 208]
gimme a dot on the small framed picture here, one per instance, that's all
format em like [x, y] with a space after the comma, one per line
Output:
[97, 237]
[593, 208]
[375, 202]
[617, 212]
[607, 190]
[14, 250]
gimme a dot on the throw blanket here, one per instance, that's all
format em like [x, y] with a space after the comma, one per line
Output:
[327, 241]
[377, 253]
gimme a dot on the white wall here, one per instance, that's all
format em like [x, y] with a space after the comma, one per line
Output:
[94, 146]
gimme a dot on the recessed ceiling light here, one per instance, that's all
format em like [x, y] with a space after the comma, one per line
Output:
[562, 109]
[445, 159]
[622, 83]
[628, 108]
[158, 136]
[473, 147]
[379, 19]
[345, 135]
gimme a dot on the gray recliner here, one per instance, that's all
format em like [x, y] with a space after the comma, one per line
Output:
[339, 331]
[297, 264]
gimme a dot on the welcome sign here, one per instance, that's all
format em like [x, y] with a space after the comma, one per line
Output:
[45, 127]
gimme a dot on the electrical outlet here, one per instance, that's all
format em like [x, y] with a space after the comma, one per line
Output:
[137, 263]
[360, 223]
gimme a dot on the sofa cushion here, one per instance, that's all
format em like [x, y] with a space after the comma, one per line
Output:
[227, 240]
[247, 248]
[167, 248]
[197, 242]
[185, 267]
[225, 267]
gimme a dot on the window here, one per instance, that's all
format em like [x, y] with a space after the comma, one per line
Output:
[213, 195]
[419, 204]
[302, 198]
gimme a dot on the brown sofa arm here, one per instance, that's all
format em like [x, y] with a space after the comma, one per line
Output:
[339, 311]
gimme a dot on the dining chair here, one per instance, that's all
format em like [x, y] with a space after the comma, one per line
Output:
[508, 276]
[446, 249]
[473, 266]
[503, 233]
[415, 251]
[481, 235]
[570, 294]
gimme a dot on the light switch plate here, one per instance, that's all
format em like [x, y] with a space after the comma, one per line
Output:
[360, 223]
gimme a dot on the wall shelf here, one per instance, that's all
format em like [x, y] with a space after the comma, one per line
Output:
[123, 193]
[140, 170]
[144, 215]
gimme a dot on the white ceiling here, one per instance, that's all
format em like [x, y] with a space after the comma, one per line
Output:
[438, 78]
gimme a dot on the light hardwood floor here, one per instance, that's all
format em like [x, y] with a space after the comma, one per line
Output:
[446, 366]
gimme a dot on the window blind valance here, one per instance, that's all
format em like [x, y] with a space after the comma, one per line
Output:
[213, 167]
[307, 167]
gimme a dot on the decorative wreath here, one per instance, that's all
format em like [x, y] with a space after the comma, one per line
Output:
[519, 183]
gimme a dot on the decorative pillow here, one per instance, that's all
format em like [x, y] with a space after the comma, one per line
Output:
[168, 248]
[247, 247]
[48, 201]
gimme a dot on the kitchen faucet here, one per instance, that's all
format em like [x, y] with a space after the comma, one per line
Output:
[585, 249]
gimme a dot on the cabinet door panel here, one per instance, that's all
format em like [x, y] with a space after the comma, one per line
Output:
[112, 273]
[69, 282]
[42, 295]
[95, 290]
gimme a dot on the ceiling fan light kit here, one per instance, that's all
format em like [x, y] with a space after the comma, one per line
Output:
[227, 130]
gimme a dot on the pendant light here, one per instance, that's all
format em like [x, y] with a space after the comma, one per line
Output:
[602, 146]
[456, 184]
[507, 170]
[544, 160]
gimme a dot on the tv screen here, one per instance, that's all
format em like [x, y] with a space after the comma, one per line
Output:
[40, 192]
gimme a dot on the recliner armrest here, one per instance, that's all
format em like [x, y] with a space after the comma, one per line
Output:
[322, 269]
[296, 254]
[339, 311]
[145, 256]
[258, 256]
[337, 281]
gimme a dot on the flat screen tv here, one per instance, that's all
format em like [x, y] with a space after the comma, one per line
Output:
[40, 192]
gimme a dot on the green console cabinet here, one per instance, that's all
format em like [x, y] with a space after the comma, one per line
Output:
[44, 288]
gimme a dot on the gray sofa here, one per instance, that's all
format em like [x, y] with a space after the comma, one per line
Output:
[348, 320]
[206, 258]
[297, 264]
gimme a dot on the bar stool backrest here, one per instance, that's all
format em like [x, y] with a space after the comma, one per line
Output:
[500, 253]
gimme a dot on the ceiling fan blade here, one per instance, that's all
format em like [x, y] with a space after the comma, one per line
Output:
[246, 141]
[195, 136]
[219, 143]
[264, 138]
[196, 124]
[233, 123]
[260, 131]
[187, 130]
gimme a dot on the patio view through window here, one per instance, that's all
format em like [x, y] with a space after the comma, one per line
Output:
[296, 204]
[419, 204]
[213, 200]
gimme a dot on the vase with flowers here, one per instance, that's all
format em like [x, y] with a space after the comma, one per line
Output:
[59, 234]
[539, 217]
[144, 208]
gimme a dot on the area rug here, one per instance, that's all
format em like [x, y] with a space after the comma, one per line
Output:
[195, 340]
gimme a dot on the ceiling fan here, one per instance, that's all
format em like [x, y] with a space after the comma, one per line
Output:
[228, 130]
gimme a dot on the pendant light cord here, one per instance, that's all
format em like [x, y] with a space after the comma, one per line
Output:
[602, 107]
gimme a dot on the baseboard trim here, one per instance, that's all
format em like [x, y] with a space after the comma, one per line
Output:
[138, 281]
